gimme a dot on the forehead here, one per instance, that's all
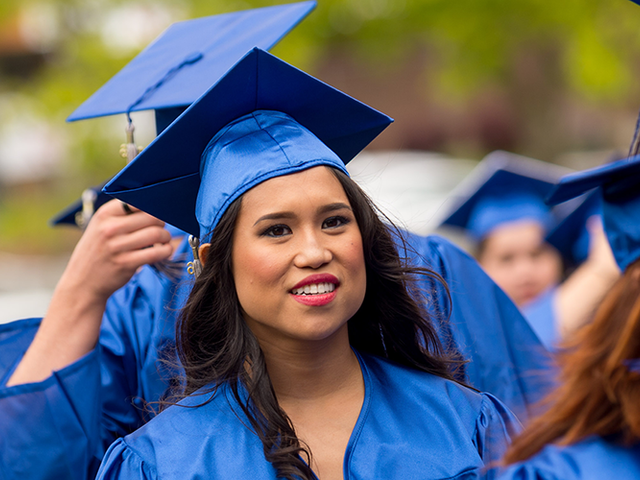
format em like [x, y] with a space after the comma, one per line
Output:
[311, 187]
[524, 234]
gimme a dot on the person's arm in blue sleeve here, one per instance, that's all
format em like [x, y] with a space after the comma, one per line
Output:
[52, 411]
[112, 248]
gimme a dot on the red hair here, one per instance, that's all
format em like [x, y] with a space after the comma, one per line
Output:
[598, 394]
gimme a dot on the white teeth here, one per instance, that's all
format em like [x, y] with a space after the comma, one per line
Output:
[314, 289]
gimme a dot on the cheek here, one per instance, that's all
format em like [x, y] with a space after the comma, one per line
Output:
[255, 269]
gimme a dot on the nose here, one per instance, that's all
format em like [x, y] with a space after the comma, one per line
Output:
[312, 251]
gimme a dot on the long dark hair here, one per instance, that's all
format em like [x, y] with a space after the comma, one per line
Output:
[215, 346]
[598, 393]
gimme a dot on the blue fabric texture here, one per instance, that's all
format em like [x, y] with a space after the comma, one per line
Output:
[230, 164]
[594, 458]
[506, 358]
[541, 315]
[493, 211]
[411, 425]
[61, 427]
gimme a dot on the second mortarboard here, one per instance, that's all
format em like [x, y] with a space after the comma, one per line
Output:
[503, 188]
[571, 236]
[618, 185]
[263, 119]
[189, 57]
[175, 70]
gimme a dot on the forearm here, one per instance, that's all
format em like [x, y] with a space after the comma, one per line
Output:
[579, 296]
[69, 331]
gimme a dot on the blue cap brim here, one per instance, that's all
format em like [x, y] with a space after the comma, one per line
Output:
[218, 41]
[164, 179]
[618, 172]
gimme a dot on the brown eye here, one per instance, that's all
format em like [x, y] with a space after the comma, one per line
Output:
[277, 231]
[334, 222]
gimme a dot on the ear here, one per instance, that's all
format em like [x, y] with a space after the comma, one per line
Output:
[203, 251]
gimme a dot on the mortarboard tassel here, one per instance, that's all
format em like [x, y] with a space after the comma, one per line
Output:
[195, 267]
[89, 197]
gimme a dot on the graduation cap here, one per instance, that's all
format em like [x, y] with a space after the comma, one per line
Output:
[80, 212]
[503, 188]
[175, 70]
[189, 57]
[618, 186]
[571, 236]
[263, 119]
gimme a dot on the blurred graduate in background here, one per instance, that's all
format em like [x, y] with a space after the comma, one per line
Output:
[501, 207]
[591, 428]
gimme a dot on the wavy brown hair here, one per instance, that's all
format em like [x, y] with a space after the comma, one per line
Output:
[215, 346]
[598, 394]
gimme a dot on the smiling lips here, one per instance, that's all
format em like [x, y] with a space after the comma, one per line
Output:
[316, 290]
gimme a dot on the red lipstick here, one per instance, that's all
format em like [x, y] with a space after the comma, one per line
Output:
[317, 299]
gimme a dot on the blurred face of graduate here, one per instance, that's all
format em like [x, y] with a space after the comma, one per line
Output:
[297, 258]
[516, 257]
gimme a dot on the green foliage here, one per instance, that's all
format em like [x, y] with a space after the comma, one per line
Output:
[593, 46]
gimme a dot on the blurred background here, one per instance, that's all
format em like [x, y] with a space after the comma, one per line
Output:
[552, 80]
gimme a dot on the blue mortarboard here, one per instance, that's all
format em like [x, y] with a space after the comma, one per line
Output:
[79, 213]
[504, 188]
[571, 236]
[189, 57]
[263, 119]
[618, 186]
[176, 69]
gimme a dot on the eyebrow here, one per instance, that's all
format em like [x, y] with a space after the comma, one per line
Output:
[331, 207]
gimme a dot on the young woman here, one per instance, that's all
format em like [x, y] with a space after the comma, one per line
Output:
[306, 353]
[591, 429]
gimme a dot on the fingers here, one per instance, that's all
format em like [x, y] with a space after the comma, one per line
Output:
[111, 220]
[139, 239]
[132, 259]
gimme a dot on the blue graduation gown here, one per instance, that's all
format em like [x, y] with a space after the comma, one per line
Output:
[411, 425]
[594, 458]
[541, 315]
[484, 326]
[61, 427]
[68, 421]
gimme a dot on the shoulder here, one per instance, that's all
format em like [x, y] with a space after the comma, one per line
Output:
[445, 428]
[593, 458]
[459, 407]
[209, 430]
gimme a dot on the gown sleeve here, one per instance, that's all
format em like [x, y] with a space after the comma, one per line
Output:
[478, 321]
[496, 426]
[49, 429]
[61, 427]
[122, 463]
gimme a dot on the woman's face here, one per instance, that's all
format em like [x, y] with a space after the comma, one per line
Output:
[516, 257]
[297, 258]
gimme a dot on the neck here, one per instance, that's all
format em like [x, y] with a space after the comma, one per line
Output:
[311, 370]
